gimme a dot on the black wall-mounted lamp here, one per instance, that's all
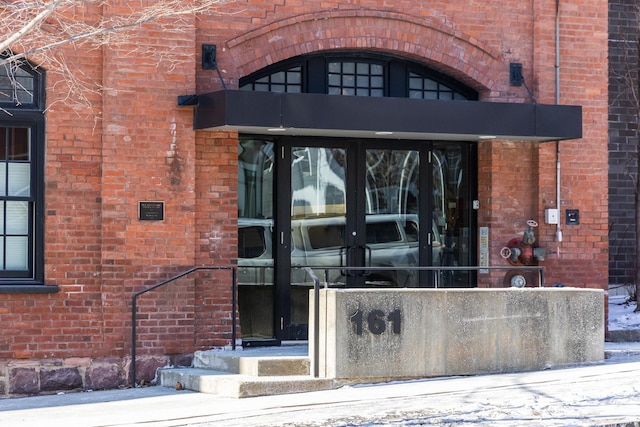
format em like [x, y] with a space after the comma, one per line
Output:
[209, 61]
[516, 78]
[515, 74]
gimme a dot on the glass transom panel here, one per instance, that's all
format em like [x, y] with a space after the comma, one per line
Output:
[17, 86]
[289, 80]
[355, 78]
[421, 87]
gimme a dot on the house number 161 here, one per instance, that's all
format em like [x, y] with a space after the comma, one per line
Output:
[376, 321]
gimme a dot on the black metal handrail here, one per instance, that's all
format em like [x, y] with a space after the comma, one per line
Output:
[134, 308]
[316, 290]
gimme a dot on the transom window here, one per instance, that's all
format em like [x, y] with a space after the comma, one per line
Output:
[280, 81]
[18, 86]
[355, 78]
[357, 74]
[425, 88]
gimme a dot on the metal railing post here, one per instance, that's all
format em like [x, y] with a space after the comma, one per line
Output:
[234, 288]
[134, 319]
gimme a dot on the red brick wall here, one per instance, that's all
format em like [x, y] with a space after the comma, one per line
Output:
[582, 258]
[136, 144]
[69, 323]
[216, 227]
[147, 155]
[131, 144]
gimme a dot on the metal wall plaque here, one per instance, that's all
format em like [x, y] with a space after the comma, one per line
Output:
[150, 211]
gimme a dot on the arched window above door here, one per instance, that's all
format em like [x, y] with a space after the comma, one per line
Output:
[357, 74]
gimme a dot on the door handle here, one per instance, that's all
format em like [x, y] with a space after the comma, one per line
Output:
[343, 261]
[367, 249]
[343, 251]
[351, 253]
[354, 250]
[367, 260]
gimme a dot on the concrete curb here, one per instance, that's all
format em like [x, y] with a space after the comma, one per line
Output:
[627, 335]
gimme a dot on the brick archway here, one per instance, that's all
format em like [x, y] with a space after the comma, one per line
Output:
[423, 40]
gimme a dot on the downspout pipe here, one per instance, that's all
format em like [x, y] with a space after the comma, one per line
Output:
[557, 67]
[557, 42]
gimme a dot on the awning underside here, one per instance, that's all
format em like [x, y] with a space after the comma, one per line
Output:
[271, 113]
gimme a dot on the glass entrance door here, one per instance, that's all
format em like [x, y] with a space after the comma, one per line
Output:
[359, 213]
[355, 210]
[452, 214]
[356, 219]
[256, 214]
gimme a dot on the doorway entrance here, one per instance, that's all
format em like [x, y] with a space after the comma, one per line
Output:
[342, 206]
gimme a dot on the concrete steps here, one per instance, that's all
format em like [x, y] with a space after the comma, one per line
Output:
[269, 371]
[247, 372]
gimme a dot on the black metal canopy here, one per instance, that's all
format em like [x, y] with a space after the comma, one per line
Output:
[309, 114]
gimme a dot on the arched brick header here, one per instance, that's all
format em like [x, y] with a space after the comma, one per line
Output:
[424, 40]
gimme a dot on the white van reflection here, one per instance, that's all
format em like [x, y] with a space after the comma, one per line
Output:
[392, 241]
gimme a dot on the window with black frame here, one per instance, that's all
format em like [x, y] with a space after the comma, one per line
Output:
[21, 177]
[18, 86]
[355, 78]
[289, 80]
[16, 201]
[357, 74]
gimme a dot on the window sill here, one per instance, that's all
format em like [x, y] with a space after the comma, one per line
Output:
[28, 289]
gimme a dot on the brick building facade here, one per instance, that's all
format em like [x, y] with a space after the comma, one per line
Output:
[231, 171]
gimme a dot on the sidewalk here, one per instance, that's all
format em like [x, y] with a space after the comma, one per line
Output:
[601, 394]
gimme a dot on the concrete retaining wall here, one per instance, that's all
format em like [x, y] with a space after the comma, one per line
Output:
[410, 333]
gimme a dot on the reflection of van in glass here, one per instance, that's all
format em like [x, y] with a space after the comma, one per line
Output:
[392, 241]
[255, 257]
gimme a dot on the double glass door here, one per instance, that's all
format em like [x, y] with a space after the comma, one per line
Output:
[358, 212]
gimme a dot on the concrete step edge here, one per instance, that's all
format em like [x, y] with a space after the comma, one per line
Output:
[239, 363]
[274, 366]
[239, 386]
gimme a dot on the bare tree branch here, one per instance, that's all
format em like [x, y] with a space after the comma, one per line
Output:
[40, 30]
[29, 26]
[77, 31]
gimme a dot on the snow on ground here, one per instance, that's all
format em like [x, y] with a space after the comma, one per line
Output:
[622, 315]
[585, 396]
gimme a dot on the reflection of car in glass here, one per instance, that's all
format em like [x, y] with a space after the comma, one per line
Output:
[391, 241]
[255, 258]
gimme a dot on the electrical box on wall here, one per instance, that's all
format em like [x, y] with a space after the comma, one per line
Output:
[551, 216]
[573, 216]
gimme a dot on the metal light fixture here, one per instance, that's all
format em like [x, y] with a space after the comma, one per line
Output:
[209, 60]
